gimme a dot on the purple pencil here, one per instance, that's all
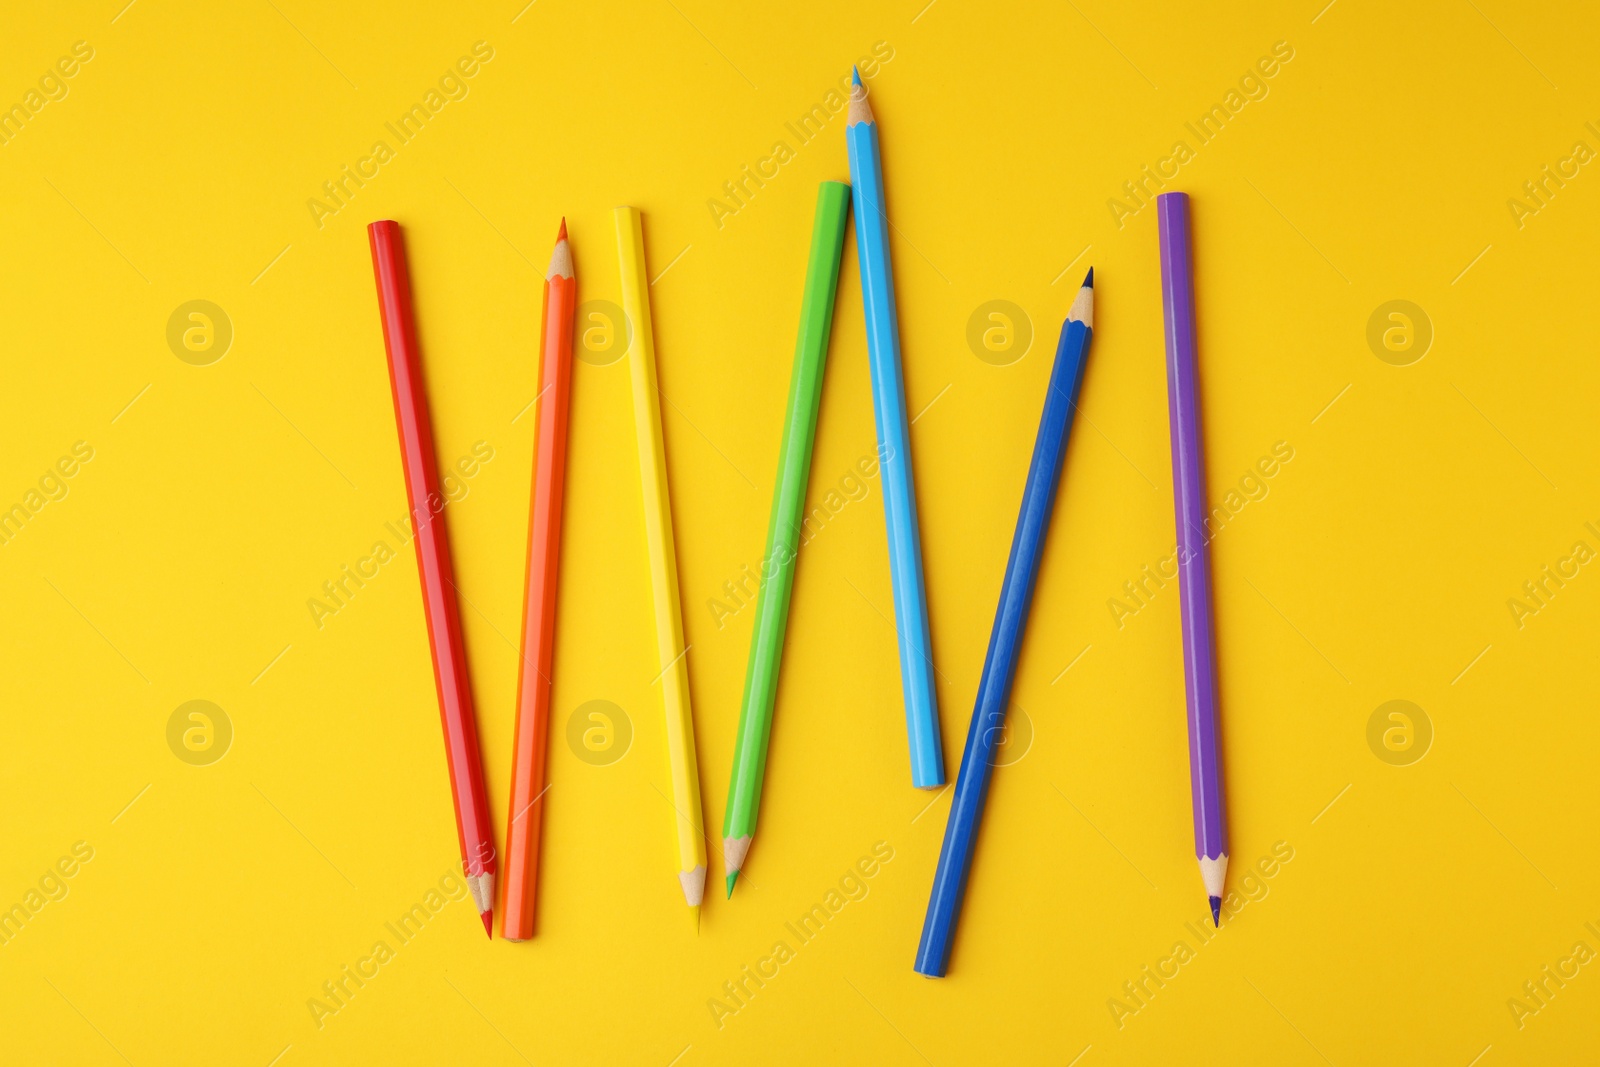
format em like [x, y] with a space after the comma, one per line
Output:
[1194, 556]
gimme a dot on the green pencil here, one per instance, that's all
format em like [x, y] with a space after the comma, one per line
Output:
[783, 532]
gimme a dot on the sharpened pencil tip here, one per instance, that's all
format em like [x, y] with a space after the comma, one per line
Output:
[1082, 309]
[488, 923]
[732, 878]
[855, 76]
[1216, 911]
[562, 236]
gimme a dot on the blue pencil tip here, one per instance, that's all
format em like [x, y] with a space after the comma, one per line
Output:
[855, 76]
[1216, 911]
[1088, 281]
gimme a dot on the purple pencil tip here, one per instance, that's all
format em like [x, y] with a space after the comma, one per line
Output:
[1088, 281]
[1216, 911]
[855, 76]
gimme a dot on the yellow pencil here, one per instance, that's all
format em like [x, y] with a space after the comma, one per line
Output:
[674, 676]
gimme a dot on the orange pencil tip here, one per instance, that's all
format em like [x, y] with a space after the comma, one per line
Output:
[488, 923]
[562, 236]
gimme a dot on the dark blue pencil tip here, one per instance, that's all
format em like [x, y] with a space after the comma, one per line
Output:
[1216, 911]
[1088, 281]
[855, 76]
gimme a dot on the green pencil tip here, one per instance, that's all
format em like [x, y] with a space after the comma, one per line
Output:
[732, 878]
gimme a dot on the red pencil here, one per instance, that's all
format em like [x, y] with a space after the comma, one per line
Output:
[528, 771]
[433, 562]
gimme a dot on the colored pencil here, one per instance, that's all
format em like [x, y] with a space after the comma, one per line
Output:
[894, 442]
[783, 530]
[473, 826]
[674, 674]
[1005, 642]
[528, 760]
[1194, 553]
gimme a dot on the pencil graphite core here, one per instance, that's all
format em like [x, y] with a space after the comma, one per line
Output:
[673, 654]
[784, 527]
[894, 445]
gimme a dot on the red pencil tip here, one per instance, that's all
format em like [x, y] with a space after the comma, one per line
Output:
[488, 923]
[562, 236]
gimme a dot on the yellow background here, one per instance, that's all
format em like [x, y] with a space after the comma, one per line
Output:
[220, 898]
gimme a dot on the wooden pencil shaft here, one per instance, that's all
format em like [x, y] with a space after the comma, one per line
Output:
[529, 770]
[1189, 501]
[1005, 645]
[473, 826]
[894, 445]
[672, 653]
[788, 504]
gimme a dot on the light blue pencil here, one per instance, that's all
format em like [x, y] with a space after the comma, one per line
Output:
[894, 443]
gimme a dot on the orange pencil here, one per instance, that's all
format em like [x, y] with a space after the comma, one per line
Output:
[528, 770]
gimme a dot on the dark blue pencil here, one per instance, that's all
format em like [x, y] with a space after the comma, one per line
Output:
[999, 666]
